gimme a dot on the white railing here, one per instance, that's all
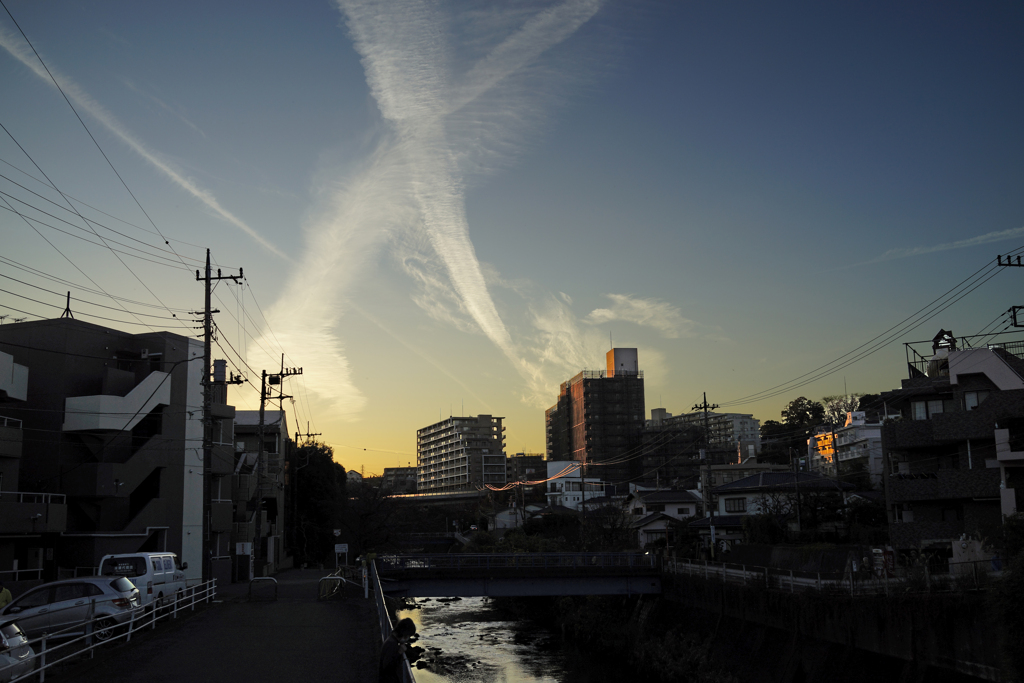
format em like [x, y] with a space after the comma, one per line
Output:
[22, 574]
[10, 422]
[959, 575]
[32, 497]
[103, 629]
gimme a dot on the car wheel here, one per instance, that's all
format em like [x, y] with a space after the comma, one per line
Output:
[103, 629]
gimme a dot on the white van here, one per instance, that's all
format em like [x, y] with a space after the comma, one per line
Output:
[157, 575]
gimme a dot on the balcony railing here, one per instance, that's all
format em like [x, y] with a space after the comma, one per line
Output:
[10, 422]
[29, 497]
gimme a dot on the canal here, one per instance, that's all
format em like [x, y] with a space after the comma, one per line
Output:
[469, 639]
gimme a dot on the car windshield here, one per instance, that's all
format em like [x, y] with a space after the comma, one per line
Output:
[123, 566]
[123, 585]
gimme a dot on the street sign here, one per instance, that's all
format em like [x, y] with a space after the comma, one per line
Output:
[340, 548]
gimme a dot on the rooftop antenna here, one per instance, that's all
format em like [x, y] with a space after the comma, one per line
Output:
[67, 309]
[2, 318]
[611, 345]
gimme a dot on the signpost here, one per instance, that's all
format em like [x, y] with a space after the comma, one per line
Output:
[340, 548]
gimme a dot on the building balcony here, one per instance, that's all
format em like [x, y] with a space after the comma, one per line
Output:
[117, 413]
[32, 513]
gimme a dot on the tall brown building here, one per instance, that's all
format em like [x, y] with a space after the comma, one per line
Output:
[599, 419]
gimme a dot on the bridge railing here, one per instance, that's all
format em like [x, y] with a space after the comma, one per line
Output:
[384, 619]
[960, 576]
[457, 561]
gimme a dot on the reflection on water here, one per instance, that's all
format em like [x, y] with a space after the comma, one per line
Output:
[467, 640]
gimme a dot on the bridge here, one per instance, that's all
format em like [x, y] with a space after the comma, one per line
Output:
[519, 574]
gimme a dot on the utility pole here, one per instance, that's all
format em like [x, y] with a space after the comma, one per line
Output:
[274, 379]
[207, 281]
[293, 474]
[709, 499]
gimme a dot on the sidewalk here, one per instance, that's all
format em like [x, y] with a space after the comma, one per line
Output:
[294, 638]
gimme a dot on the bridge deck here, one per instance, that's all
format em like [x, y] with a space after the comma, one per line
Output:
[519, 574]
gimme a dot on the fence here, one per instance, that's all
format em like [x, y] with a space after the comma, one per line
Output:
[81, 639]
[384, 618]
[333, 584]
[960, 576]
[456, 561]
[32, 497]
[21, 574]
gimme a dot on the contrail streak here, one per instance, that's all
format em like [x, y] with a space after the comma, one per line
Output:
[23, 53]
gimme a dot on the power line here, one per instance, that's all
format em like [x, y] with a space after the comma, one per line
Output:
[962, 289]
[74, 285]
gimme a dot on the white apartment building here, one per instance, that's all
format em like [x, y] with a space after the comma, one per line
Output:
[571, 489]
[460, 454]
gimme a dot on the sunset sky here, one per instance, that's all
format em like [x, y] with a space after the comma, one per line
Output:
[450, 208]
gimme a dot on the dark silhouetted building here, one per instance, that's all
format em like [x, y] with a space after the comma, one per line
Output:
[599, 418]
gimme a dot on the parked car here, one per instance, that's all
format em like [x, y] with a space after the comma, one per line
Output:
[16, 656]
[157, 575]
[63, 607]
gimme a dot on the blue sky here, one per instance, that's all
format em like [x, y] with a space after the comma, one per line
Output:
[448, 204]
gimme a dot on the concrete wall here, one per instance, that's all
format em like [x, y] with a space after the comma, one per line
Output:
[955, 632]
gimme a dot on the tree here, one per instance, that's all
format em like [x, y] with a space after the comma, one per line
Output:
[803, 412]
[837, 406]
[320, 497]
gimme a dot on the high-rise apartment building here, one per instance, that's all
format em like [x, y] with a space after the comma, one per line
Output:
[460, 454]
[599, 418]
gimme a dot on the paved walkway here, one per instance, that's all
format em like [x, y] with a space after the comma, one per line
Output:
[295, 638]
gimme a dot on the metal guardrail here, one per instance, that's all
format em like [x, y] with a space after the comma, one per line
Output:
[961, 576]
[384, 619]
[22, 574]
[262, 579]
[102, 630]
[332, 584]
[457, 561]
[10, 422]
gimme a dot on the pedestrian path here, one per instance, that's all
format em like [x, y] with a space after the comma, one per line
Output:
[294, 638]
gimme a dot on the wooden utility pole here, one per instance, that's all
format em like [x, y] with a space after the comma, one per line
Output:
[257, 544]
[207, 281]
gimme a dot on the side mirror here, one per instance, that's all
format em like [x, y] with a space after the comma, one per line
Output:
[184, 565]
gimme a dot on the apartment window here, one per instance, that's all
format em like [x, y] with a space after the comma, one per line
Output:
[735, 504]
[973, 399]
[926, 410]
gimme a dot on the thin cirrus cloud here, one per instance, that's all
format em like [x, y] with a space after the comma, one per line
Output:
[987, 238]
[659, 315]
[448, 119]
[21, 51]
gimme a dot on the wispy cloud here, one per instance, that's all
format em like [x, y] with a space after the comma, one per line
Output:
[20, 50]
[447, 120]
[163, 105]
[987, 238]
[654, 313]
